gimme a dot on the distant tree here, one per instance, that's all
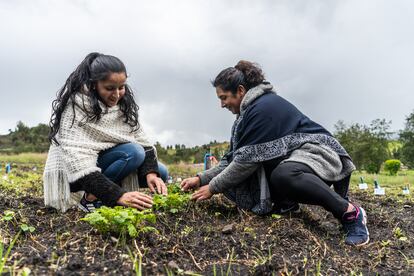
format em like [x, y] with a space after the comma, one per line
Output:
[26, 139]
[20, 135]
[407, 139]
[159, 148]
[394, 148]
[367, 145]
[392, 166]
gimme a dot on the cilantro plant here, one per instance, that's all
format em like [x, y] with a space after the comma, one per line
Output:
[121, 220]
[173, 202]
[8, 215]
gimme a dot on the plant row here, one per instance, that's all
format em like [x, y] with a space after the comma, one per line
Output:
[129, 221]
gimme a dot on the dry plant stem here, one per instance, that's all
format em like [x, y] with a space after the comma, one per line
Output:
[38, 243]
[194, 261]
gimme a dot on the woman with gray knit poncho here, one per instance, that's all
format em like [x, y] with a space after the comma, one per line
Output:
[99, 152]
[278, 156]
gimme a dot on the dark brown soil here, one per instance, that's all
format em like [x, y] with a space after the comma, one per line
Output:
[308, 242]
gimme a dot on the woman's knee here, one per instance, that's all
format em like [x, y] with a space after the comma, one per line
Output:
[136, 154]
[163, 171]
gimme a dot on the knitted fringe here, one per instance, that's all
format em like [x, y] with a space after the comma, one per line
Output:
[56, 190]
[130, 183]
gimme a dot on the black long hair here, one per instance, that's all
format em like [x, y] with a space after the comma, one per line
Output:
[93, 68]
[245, 73]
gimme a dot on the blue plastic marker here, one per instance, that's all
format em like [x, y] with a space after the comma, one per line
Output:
[8, 168]
[207, 162]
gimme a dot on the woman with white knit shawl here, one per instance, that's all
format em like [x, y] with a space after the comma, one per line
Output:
[278, 157]
[99, 152]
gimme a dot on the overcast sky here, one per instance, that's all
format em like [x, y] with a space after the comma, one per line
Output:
[335, 60]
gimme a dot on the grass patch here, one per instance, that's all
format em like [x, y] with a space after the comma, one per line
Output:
[27, 158]
[393, 184]
[184, 170]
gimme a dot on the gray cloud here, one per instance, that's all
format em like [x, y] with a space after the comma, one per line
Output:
[348, 60]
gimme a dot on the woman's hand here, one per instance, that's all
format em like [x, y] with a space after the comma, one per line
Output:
[202, 194]
[136, 200]
[154, 181]
[190, 183]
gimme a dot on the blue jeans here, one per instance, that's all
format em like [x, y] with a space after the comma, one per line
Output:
[118, 162]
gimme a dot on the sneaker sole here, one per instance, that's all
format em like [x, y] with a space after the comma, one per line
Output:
[80, 206]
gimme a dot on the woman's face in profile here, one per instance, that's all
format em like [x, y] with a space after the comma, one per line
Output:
[229, 100]
[112, 89]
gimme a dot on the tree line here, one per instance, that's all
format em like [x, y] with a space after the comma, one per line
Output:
[368, 145]
[25, 139]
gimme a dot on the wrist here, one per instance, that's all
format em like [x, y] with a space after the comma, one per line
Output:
[202, 179]
[212, 188]
[150, 175]
[119, 201]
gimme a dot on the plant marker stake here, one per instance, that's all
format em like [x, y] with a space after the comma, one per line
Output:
[207, 161]
[8, 168]
[362, 185]
[378, 190]
[406, 191]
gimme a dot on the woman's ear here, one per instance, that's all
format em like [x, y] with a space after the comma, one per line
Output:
[241, 90]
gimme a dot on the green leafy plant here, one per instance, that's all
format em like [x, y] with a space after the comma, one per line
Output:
[27, 228]
[121, 220]
[392, 166]
[399, 234]
[173, 202]
[8, 215]
[276, 216]
[21, 183]
[174, 189]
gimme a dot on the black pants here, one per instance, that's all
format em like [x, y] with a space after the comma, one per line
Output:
[298, 182]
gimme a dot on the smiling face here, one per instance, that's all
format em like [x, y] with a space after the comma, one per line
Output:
[112, 89]
[229, 100]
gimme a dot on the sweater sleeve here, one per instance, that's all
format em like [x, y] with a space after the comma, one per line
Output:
[150, 164]
[100, 186]
[206, 176]
[232, 175]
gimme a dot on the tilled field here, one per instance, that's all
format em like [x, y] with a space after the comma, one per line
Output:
[210, 238]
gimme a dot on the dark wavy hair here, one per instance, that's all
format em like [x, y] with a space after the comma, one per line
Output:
[245, 73]
[95, 67]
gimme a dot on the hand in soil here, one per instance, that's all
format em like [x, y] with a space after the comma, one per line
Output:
[202, 194]
[136, 200]
[190, 183]
[154, 181]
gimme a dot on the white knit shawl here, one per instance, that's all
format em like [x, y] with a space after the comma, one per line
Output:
[78, 149]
